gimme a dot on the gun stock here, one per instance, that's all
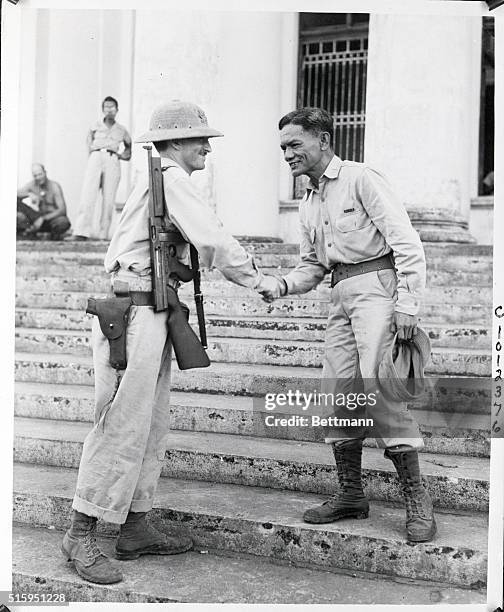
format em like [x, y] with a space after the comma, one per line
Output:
[187, 347]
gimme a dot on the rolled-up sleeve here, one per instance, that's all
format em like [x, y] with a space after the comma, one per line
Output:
[309, 272]
[202, 228]
[390, 217]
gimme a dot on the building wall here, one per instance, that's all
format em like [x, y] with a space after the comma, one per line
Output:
[241, 68]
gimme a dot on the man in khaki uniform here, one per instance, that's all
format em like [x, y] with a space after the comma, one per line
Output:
[353, 226]
[108, 142]
[124, 452]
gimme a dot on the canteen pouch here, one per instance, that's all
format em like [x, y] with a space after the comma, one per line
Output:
[113, 316]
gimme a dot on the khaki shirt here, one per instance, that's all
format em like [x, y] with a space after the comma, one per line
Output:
[354, 216]
[129, 252]
[103, 136]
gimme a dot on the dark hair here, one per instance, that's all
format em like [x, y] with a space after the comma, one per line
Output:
[311, 119]
[110, 99]
[161, 145]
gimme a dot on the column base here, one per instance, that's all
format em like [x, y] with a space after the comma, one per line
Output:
[266, 239]
[440, 225]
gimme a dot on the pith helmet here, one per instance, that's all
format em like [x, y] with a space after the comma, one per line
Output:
[177, 119]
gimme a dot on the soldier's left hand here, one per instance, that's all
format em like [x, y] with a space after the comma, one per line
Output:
[271, 288]
[405, 325]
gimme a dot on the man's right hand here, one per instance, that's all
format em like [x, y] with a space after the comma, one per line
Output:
[37, 224]
[272, 288]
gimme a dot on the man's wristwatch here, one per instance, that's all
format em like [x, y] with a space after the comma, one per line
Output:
[286, 288]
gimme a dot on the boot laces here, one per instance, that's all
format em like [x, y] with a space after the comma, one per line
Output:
[91, 547]
[414, 500]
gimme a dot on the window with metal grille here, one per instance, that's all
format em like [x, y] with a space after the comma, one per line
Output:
[333, 51]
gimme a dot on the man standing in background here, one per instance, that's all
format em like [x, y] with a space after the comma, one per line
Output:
[105, 140]
[46, 211]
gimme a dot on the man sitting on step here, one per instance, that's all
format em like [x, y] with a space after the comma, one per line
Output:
[124, 452]
[353, 226]
[41, 207]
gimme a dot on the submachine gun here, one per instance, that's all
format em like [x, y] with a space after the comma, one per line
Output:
[165, 266]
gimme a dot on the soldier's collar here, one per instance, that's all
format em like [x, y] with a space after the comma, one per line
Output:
[167, 162]
[331, 172]
[333, 168]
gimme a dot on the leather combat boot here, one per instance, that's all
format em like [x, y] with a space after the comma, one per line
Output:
[80, 548]
[420, 523]
[350, 500]
[137, 537]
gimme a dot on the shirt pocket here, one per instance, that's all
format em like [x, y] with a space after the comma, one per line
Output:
[350, 222]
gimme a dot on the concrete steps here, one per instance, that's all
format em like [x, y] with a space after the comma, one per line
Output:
[91, 279]
[190, 578]
[286, 328]
[252, 305]
[92, 266]
[48, 268]
[437, 277]
[451, 434]
[435, 296]
[238, 486]
[449, 254]
[454, 482]
[241, 379]
[267, 523]
[444, 360]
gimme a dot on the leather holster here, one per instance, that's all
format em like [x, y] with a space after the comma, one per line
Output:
[113, 316]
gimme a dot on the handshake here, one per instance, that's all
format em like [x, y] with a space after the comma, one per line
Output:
[272, 287]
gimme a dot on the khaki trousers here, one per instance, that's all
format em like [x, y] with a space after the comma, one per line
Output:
[103, 172]
[358, 333]
[124, 452]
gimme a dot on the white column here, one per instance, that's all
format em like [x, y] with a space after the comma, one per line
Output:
[288, 89]
[117, 34]
[27, 94]
[171, 66]
[288, 207]
[247, 103]
[234, 73]
[422, 116]
[67, 83]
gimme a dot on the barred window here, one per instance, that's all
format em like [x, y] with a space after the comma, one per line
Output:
[332, 75]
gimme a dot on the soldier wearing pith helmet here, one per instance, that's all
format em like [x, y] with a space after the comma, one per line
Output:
[123, 453]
